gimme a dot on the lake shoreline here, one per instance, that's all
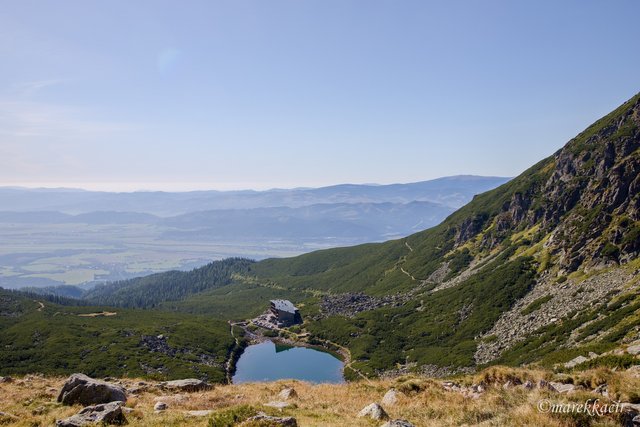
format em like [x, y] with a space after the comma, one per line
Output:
[251, 338]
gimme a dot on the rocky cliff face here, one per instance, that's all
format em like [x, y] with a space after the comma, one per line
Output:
[577, 214]
[584, 199]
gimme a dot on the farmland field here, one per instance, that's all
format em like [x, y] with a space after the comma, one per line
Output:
[75, 254]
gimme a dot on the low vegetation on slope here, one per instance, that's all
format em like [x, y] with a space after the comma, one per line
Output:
[148, 291]
[38, 336]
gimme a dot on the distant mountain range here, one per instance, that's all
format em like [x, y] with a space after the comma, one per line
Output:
[451, 192]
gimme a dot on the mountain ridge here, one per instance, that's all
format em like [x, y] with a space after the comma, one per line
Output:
[451, 191]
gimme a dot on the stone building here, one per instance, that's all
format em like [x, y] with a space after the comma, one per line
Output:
[286, 313]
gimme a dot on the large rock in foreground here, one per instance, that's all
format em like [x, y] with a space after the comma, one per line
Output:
[109, 413]
[373, 411]
[188, 385]
[397, 423]
[84, 390]
[264, 419]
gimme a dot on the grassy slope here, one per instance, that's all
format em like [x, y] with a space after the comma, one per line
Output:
[56, 340]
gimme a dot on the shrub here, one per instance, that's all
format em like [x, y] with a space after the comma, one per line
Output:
[610, 251]
[232, 416]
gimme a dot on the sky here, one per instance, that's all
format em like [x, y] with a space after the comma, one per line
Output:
[178, 95]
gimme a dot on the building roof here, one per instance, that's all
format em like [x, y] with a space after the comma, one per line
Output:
[284, 305]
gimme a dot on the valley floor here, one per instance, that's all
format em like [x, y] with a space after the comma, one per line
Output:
[499, 401]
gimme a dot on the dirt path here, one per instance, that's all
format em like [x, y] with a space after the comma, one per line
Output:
[100, 314]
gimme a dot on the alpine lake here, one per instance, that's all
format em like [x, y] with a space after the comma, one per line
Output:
[267, 361]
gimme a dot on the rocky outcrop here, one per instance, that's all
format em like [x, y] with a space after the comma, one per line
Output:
[288, 394]
[469, 228]
[84, 390]
[390, 398]
[108, 413]
[187, 385]
[397, 423]
[587, 196]
[373, 411]
[264, 419]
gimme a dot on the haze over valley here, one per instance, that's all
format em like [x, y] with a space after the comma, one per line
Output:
[74, 237]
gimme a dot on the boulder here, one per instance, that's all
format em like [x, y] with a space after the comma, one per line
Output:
[634, 349]
[630, 416]
[188, 385]
[265, 419]
[160, 406]
[397, 423]
[288, 393]
[373, 411]
[563, 388]
[576, 361]
[108, 413]
[390, 398]
[84, 390]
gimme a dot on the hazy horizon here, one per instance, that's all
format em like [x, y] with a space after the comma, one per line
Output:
[233, 95]
[134, 187]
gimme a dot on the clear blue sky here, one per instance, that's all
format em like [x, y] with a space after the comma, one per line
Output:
[255, 94]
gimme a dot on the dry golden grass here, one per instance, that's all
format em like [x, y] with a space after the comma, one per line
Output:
[31, 400]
